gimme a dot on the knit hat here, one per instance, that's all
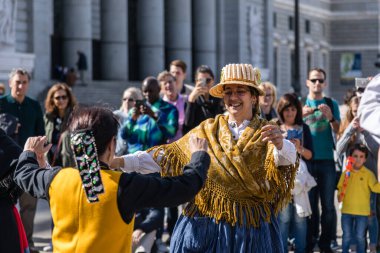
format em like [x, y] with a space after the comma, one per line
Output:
[243, 74]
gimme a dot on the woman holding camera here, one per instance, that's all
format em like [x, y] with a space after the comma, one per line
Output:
[295, 214]
[200, 104]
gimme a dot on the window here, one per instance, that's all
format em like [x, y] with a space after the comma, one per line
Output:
[307, 26]
[323, 28]
[308, 60]
[291, 23]
[275, 62]
[274, 19]
[292, 67]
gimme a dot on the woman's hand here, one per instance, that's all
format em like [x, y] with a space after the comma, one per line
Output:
[297, 144]
[39, 147]
[197, 144]
[136, 236]
[198, 90]
[272, 133]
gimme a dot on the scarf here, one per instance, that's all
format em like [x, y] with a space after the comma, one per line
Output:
[243, 185]
[87, 161]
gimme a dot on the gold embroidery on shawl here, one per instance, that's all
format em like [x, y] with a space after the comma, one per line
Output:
[243, 184]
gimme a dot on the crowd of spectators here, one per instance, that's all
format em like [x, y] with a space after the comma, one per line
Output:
[164, 109]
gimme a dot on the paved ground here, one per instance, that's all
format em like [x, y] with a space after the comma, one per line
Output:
[42, 233]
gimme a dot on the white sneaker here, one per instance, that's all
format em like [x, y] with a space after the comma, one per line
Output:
[48, 248]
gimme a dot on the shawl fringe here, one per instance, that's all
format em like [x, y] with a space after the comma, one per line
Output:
[218, 202]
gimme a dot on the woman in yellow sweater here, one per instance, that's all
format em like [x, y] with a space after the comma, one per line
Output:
[93, 206]
[355, 186]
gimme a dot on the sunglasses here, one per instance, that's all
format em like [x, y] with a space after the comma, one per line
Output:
[64, 97]
[315, 80]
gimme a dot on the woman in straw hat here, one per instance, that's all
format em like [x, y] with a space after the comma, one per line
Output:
[92, 206]
[250, 177]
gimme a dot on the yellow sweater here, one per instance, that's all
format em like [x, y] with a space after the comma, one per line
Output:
[357, 198]
[83, 227]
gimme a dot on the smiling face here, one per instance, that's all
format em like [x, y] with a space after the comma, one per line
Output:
[169, 88]
[239, 102]
[289, 115]
[60, 99]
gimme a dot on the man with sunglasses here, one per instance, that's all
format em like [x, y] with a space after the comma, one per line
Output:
[322, 115]
[200, 105]
[30, 123]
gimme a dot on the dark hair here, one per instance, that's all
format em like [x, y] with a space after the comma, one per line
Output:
[318, 70]
[49, 102]
[361, 148]
[288, 100]
[204, 69]
[101, 121]
[179, 63]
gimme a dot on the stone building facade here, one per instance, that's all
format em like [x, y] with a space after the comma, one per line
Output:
[127, 40]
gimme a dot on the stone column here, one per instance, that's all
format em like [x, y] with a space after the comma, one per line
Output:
[42, 31]
[178, 32]
[114, 42]
[150, 37]
[204, 33]
[77, 33]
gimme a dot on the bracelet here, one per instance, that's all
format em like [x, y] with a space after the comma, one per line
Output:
[332, 120]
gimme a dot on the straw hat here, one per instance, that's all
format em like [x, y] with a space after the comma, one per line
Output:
[243, 74]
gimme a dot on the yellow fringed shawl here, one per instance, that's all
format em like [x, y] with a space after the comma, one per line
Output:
[243, 179]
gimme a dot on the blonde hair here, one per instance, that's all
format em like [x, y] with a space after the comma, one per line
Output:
[135, 93]
[269, 85]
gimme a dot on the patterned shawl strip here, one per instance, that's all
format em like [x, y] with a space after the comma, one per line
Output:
[243, 185]
[87, 161]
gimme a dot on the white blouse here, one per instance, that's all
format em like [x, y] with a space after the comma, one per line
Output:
[142, 162]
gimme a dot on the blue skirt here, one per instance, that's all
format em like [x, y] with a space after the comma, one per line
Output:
[203, 234]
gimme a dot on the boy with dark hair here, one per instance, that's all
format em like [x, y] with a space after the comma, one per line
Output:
[354, 188]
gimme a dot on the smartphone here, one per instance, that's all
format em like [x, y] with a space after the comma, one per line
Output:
[203, 82]
[140, 103]
[294, 134]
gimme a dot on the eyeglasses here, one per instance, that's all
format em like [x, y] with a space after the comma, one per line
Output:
[315, 80]
[129, 99]
[239, 93]
[64, 97]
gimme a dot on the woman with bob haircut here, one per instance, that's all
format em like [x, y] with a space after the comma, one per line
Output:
[93, 206]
